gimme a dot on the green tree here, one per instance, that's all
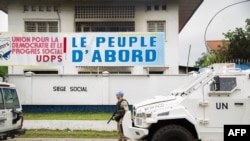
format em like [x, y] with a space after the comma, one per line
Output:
[239, 47]
[205, 60]
[3, 71]
[236, 46]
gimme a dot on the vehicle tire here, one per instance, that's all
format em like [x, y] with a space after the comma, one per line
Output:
[172, 133]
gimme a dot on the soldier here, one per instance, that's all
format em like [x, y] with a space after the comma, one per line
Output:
[121, 109]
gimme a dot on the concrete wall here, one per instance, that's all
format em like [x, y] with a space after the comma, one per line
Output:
[92, 89]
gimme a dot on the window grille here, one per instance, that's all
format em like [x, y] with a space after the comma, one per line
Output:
[156, 26]
[105, 26]
[41, 8]
[90, 12]
[41, 27]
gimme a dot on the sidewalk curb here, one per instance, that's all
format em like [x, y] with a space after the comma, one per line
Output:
[97, 125]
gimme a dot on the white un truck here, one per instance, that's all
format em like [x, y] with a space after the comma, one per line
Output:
[197, 111]
[11, 119]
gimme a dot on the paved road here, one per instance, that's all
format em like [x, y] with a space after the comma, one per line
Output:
[60, 139]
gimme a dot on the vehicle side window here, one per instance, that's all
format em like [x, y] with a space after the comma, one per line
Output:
[1, 100]
[10, 98]
[223, 84]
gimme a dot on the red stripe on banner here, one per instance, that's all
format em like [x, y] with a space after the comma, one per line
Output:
[64, 45]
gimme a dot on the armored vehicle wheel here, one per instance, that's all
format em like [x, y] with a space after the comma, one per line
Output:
[172, 133]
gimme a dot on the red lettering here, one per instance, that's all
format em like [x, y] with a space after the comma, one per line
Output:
[48, 58]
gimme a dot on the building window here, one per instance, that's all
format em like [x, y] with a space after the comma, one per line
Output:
[48, 8]
[155, 72]
[156, 7]
[41, 26]
[164, 7]
[42, 71]
[33, 8]
[41, 8]
[113, 12]
[56, 8]
[156, 26]
[148, 7]
[105, 26]
[25, 8]
[53, 26]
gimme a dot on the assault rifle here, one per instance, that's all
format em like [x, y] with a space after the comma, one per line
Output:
[112, 117]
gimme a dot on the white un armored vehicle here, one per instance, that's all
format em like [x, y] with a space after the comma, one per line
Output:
[197, 110]
[11, 119]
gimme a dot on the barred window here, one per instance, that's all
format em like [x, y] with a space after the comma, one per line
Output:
[41, 8]
[105, 26]
[156, 26]
[53, 26]
[41, 26]
[89, 12]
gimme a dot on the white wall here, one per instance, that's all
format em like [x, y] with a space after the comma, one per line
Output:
[38, 89]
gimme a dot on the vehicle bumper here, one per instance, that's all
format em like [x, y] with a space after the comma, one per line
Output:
[130, 131]
[12, 133]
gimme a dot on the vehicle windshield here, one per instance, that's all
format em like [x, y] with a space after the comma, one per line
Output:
[189, 84]
[10, 98]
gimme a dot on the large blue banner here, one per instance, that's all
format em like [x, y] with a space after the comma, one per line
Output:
[83, 49]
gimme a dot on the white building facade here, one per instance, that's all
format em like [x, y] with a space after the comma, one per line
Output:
[67, 85]
[85, 16]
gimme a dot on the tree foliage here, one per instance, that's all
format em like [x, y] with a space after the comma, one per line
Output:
[235, 47]
[239, 47]
[3, 71]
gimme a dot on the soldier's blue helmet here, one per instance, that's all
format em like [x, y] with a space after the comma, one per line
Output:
[120, 93]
